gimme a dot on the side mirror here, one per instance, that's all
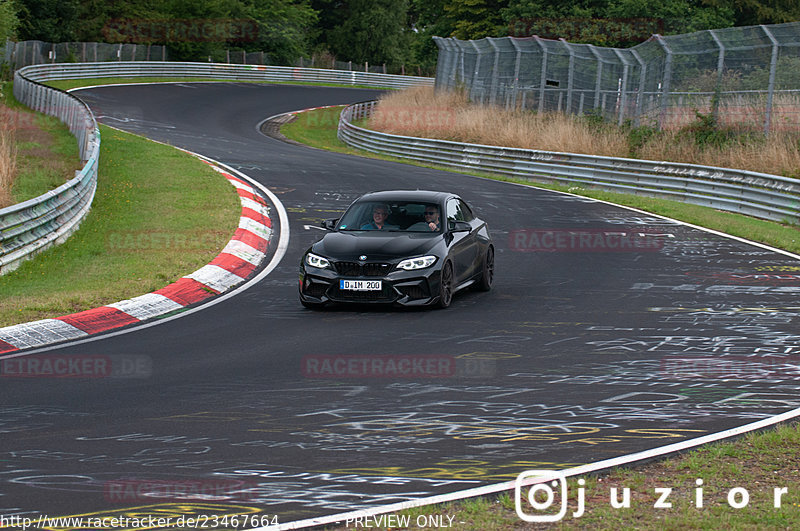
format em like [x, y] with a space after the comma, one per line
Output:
[459, 226]
[330, 224]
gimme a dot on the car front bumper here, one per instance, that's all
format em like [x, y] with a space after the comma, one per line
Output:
[404, 288]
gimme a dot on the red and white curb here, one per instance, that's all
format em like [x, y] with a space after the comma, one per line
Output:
[235, 263]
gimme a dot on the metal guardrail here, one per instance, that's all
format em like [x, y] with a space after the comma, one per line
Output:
[755, 194]
[34, 225]
[218, 71]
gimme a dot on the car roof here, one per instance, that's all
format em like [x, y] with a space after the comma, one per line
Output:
[407, 195]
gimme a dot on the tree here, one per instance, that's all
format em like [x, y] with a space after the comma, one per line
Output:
[8, 21]
[285, 28]
[48, 20]
[677, 16]
[615, 23]
[753, 12]
[426, 19]
[370, 31]
[476, 19]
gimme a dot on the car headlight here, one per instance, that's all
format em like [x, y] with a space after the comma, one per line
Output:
[317, 261]
[410, 264]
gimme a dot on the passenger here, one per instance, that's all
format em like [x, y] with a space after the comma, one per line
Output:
[379, 215]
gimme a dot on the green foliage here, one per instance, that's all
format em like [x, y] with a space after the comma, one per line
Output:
[638, 137]
[476, 19]
[285, 28]
[705, 132]
[371, 32]
[594, 118]
[752, 12]
[48, 20]
[399, 32]
[616, 23]
[8, 20]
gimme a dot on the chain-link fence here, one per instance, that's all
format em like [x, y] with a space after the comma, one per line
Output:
[21, 54]
[745, 76]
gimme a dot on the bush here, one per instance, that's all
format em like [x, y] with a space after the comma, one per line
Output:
[705, 132]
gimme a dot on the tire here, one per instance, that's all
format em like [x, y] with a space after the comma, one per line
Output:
[487, 272]
[446, 285]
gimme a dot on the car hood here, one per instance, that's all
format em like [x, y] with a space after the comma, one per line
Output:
[375, 245]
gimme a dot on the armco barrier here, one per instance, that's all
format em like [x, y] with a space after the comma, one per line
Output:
[34, 225]
[756, 194]
[217, 71]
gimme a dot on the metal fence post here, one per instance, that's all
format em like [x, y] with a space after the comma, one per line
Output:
[543, 80]
[718, 85]
[495, 73]
[598, 79]
[665, 86]
[640, 92]
[570, 74]
[623, 95]
[517, 62]
[773, 64]
[474, 83]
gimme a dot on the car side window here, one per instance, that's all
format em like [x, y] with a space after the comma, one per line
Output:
[466, 212]
[452, 211]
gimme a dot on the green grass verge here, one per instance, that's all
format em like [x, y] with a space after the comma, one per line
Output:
[47, 155]
[318, 129]
[758, 462]
[158, 214]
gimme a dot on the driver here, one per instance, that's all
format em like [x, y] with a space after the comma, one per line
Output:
[432, 217]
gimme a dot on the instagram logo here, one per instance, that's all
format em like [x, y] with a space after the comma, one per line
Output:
[545, 487]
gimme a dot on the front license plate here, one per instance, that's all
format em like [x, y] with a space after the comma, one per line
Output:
[360, 285]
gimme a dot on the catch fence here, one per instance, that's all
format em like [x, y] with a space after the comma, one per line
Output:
[744, 76]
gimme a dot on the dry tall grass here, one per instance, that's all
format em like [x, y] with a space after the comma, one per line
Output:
[778, 155]
[446, 115]
[8, 167]
[420, 111]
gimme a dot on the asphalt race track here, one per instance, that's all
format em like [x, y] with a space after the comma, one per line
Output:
[628, 332]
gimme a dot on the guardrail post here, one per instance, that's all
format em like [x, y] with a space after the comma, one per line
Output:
[773, 65]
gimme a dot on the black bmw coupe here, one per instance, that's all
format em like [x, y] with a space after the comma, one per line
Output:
[410, 248]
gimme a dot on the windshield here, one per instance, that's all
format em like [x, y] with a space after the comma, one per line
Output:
[398, 216]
